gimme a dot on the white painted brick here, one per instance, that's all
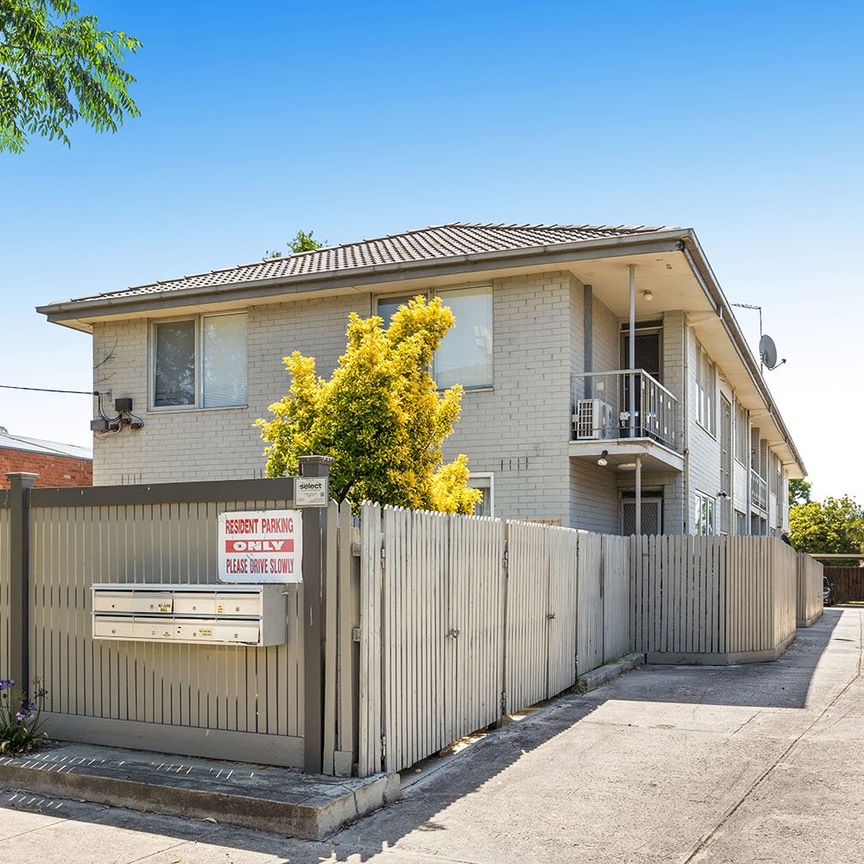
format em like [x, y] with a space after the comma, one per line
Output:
[519, 430]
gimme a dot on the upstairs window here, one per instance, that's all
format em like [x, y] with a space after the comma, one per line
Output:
[387, 306]
[742, 434]
[199, 362]
[706, 392]
[174, 367]
[465, 354]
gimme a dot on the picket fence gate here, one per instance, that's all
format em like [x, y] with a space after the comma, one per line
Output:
[465, 619]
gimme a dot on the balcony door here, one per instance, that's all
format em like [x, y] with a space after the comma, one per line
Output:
[648, 358]
[647, 352]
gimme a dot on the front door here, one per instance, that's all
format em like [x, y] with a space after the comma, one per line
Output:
[652, 515]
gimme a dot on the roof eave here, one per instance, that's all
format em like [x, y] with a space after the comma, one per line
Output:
[69, 311]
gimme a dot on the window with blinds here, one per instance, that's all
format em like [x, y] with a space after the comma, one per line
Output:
[199, 362]
[223, 360]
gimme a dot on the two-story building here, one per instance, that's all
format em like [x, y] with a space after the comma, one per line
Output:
[602, 367]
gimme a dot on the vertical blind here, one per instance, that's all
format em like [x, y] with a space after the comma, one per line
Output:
[224, 360]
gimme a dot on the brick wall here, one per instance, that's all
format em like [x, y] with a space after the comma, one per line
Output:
[593, 490]
[518, 429]
[52, 470]
[211, 443]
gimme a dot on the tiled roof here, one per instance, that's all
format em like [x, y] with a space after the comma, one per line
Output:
[424, 244]
[37, 445]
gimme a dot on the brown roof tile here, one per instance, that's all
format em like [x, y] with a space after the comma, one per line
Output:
[424, 244]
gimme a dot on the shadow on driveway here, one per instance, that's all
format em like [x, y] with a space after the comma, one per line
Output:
[785, 683]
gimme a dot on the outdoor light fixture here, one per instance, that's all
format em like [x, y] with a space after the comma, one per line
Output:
[603, 461]
[647, 296]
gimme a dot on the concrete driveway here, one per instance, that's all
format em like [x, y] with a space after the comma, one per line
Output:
[740, 764]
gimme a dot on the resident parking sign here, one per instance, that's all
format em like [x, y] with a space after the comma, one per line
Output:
[261, 546]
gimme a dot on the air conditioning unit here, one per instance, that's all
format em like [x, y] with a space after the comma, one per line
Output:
[594, 418]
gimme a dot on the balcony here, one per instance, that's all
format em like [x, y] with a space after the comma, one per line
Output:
[602, 422]
[758, 491]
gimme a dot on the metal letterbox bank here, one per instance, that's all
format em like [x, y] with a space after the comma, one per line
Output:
[191, 614]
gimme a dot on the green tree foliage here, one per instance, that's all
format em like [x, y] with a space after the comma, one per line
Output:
[835, 525]
[300, 242]
[58, 67]
[799, 492]
[380, 416]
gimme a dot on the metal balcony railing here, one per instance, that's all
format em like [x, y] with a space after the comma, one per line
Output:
[602, 407]
[758, 490]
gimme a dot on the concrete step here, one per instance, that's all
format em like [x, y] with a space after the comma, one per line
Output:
[252, 796]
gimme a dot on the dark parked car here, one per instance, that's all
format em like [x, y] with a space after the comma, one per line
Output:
[827, 592]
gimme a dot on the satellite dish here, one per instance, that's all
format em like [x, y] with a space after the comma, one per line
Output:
[768, 351]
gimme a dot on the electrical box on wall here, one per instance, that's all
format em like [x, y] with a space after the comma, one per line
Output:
[190, 614]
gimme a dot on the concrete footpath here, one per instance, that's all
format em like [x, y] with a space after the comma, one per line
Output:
[735, 764]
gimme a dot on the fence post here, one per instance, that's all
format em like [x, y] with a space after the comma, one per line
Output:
[19, 587]
[314, 577]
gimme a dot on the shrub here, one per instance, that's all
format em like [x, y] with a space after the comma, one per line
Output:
[20, 718]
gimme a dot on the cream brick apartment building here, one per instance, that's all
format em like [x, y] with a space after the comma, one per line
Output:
[601, 365]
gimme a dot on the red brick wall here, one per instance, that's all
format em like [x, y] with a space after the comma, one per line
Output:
[52, 470]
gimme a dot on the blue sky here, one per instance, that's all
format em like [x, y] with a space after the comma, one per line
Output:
[740, 120]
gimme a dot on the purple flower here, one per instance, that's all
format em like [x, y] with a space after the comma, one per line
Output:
[22, 716]
[6, 684]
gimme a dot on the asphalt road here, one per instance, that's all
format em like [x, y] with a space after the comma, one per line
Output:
[760, 763]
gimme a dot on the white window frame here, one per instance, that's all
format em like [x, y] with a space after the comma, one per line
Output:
[379, 298]
[706, 391]
[198, 405]
[490, 476]
[741, 412]
[700, 499]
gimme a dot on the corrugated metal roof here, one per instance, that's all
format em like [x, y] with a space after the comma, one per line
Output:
[424, 244]
[37, 445]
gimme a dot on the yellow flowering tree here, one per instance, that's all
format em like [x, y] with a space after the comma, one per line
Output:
[379, 415]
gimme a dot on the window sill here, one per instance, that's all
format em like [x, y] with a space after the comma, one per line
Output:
[467, 390]
[191, 409]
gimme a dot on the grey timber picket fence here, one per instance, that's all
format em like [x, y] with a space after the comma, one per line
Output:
[254, 703]
[717, 600]
[410, 630]
[466, 619]
[810, 595]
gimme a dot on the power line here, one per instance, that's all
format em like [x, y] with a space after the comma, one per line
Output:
[50, 390]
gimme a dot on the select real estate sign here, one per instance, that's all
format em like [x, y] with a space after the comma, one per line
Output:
[261, 546]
